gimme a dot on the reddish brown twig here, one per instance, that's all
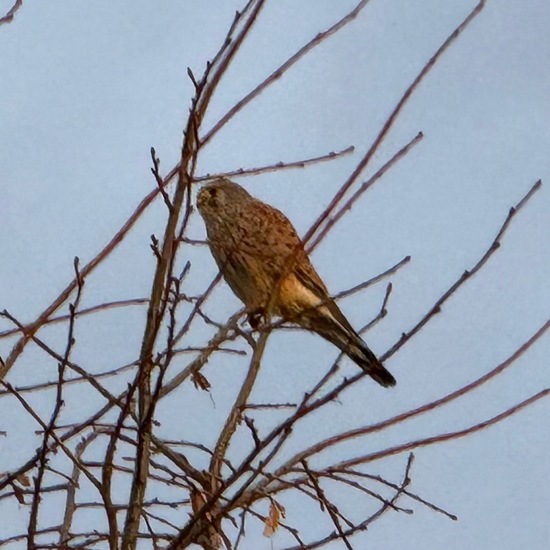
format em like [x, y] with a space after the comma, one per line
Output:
[10, 14]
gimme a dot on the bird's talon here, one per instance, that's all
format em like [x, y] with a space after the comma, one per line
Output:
[255, 318]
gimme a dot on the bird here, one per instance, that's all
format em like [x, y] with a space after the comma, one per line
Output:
[264, 262]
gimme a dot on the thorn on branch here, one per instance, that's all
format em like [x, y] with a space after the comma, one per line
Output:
[192, 78]
[79, 279]
[174, 288]
[158, 178]
[383, 310]
[184, 271]
[250, 424]
[155, 247]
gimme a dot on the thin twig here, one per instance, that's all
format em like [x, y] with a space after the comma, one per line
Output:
[282, 69]
[8, 18]
[364, 187]
[440, 438]
[327, 505]
[242, 172]
[390, 122]
[351, 434]
[50, 427]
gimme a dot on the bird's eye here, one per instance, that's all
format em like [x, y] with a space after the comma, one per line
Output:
[214, 196]
[210, 197]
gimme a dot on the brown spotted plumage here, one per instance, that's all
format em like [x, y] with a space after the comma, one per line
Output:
[264, 262]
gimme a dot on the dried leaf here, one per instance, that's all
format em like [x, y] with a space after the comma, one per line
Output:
[197, 499]
[272, 521]
[18, 493]
[200, 381]
[24, 480]
[208, 538]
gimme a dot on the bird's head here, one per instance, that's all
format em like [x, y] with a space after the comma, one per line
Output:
[221, 195]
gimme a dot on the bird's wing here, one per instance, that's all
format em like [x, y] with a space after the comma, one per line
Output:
[280, 242]
[306, 274]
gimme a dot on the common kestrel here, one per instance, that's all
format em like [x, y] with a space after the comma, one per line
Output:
[264, 262]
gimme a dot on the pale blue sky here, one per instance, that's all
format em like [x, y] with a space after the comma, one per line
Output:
[88, 87]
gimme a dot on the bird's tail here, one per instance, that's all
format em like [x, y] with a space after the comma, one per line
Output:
[358, 351]
[353, 346]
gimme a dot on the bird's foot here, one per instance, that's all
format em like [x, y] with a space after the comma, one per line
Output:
[256, 318]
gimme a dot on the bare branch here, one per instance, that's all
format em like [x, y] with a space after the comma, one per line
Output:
[8, 18]
[241, 172]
